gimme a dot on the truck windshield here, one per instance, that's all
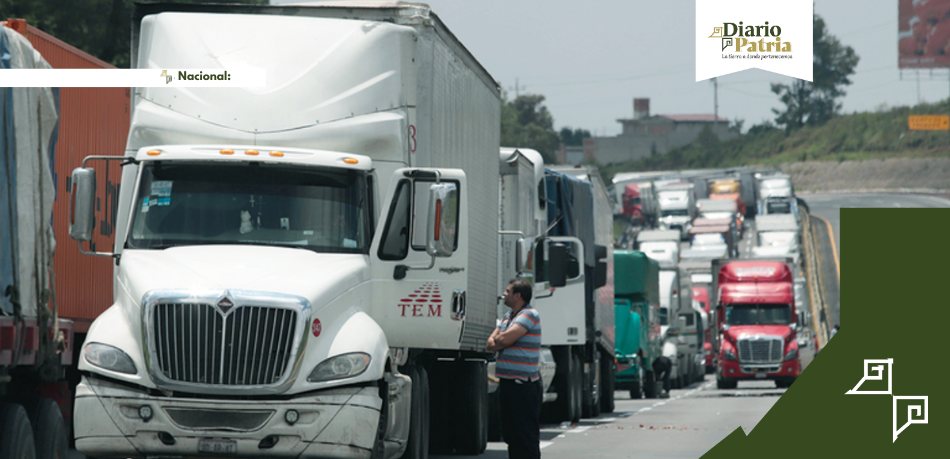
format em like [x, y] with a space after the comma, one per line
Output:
[676, 213]
[202, 203]
[779, 207]
[758, 314]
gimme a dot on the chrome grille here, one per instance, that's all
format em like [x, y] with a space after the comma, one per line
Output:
[195, 343]
[760, 350]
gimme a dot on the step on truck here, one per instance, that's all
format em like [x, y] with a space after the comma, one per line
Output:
[306, 270]
[578, 318]
[637, 317]
[756, 322]
[35, 344]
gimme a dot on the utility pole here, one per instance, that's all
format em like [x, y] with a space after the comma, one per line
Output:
[517, 89]
[715, 102]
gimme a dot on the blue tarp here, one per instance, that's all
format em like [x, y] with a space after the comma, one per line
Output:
[567, 199]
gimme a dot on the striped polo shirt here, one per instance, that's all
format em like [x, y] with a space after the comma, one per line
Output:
[520, 360]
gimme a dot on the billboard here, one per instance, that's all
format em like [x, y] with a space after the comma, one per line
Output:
[923, 34]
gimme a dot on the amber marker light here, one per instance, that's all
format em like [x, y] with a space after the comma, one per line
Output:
[154, 152]
[277, 153]
[252, 152]
[351, 161]
[227, 152]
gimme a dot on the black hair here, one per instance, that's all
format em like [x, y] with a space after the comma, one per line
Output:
[521, 287]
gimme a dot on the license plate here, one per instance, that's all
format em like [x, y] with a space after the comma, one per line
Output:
[217, 446]
[760, 375]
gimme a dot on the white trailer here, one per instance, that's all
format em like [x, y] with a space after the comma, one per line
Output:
[306, 270]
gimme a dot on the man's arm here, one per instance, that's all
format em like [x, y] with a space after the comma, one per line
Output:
[500, 340]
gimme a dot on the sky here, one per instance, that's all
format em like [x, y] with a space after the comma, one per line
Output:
[591, 58]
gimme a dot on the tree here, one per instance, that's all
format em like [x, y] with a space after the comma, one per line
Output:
[573, 138]
[814, 103]
[102, 28]
[526, 122]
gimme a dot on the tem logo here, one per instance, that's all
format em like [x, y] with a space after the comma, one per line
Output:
[918, 411]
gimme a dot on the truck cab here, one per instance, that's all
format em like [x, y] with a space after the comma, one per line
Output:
[676, 208]
[757, 322]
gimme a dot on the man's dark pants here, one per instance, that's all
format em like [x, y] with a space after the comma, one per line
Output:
[520, 405]
[665, 366]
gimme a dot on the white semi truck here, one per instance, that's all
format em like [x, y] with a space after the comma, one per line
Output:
[303, 270]
[677, 207]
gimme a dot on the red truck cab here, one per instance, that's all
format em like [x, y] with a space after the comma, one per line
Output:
[756, 322]
[632, 205]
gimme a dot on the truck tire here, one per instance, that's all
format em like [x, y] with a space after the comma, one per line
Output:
[649, 384]
[636, 392]
[16, 435]
[607, 384]
[470, 413]
[494, 417]
[565, 407]
[379, 444]
[418, 445]
[726, 383]
[577, 388]
[49, 429]
[592, 387]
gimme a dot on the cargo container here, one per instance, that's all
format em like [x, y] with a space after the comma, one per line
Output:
[637, 316]
[92, 120]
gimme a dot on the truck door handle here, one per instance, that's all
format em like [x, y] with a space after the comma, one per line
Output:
[458, 305]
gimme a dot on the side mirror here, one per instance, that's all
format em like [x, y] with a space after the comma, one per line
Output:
[557, 265]
[82, 204]
[442, 221]
[523, 255]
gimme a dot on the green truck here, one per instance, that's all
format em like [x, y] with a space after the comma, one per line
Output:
[637, 316]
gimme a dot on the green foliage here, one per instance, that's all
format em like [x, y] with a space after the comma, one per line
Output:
[573, 138]
[99, 27]
[814, 103]
[526, 122]
[869, 135]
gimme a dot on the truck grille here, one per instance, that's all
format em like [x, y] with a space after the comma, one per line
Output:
[195, 343]
[760, 350]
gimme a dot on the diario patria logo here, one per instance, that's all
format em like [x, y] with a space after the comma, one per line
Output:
[773, 36]
[772, 41]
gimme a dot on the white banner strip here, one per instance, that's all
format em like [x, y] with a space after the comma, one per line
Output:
[134, 78]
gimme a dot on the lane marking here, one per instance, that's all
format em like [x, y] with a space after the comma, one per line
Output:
[545, 444]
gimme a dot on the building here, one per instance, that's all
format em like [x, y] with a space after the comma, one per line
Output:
[645, 136]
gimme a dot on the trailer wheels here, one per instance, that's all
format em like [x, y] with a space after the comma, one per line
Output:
[49, 429]
[607, 384]
[16, 436]
[592, 389]
[418, 447]
[577, 388]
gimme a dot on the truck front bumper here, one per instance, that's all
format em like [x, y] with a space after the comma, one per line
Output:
[730, 369]
[110, 421]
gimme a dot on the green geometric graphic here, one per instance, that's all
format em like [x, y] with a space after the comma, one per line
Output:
[895, 304]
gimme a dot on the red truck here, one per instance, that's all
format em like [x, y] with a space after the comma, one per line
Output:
[756, 322]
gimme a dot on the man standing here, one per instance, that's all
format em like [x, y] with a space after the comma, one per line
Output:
[518, 340]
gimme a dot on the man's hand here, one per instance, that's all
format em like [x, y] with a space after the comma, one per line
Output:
[500, 340]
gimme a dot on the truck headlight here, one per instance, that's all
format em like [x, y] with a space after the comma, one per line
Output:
[791, 355]
[109, 358]
[339, 367]
[729, 355]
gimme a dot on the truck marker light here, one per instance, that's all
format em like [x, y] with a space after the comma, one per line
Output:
[154, 152]
[351, 161]
[316, 328]
[227, 151]
[277, 154]
[252, 152]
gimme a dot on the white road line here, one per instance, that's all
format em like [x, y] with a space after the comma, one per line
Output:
[605, 420]
[545, 444]
[645, 409]
[579, 429]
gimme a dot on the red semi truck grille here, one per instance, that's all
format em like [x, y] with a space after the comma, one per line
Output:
[760, 350]
[195, 343]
